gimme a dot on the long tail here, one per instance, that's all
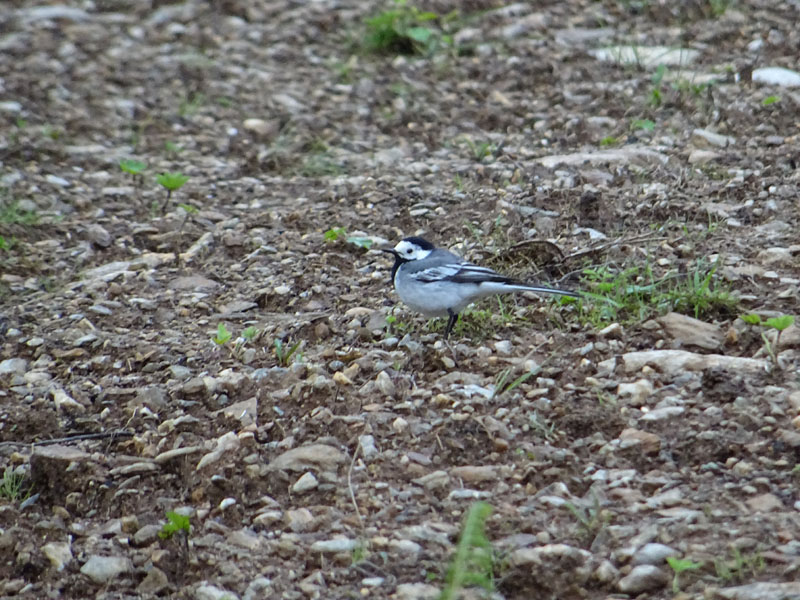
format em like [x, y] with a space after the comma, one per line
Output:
[545, 290]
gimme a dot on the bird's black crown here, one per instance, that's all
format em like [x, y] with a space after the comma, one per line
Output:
[421, 242]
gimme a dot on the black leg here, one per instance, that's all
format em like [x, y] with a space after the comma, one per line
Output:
[451, 322]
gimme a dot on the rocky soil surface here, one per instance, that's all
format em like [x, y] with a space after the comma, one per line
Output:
[645, 152]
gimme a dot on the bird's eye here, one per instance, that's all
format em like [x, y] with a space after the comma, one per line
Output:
[408, 251]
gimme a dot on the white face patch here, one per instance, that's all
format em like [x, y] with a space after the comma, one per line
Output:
[409, 251]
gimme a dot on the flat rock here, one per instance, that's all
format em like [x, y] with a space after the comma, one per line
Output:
[334, 545]
[641, 579]
[58, 553]
[777, 76]
[672, 362]
[416, 591]
[646, 56]
[102, 569]
[306, 483]
[13, 366]
[649, 443]
[765, 503]
[154, 582]
[762, 590]
[192, 282]
[704, 138]
[653, 554]
[689, 331]
[212, 592]
[320, 456]
[631, 155]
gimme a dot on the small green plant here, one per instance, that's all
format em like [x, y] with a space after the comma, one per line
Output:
[678, 566]
[591, 519]
[739, 566]
[191, 104]
[609, 140]
[13, 486]
[188, 209]
[393, 326]
[12, 214]
[642, 125]
[176, 523]
[695, 293]
[6, 245]
[481, 150]
[335, 234]
[502, 385]
[473, 563]
[359, 553]
[778, 324]
[634, 294]
[655, 92]
[770, 100]
[223, 336]
[250, 333]
[404, 29]
[171, 182]
[284, 354]
[131, 166]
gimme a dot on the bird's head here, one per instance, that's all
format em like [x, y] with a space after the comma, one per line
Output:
[410, 248]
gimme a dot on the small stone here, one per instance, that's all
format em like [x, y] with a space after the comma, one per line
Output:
[614, 330]
[335, 545]
[313, 456]
[298, 520]
[399, 425]
[225, 444]
[653, 554]
[688, 331]
[704, 138]
[306, 483]
[475, 474]
[777, 76]
[765, 503]
[637, 392]
[434, 481]
[154, 582]
[13, 366]
[102, 569]
[58, 553]
[368, 448]
[342, 379]
[100, 309]
[212, 592]
[641, 579]
[195, 385]
[416, 591]
[405, 547]
[56, 180]
[663, 413]
[262, 128]
[606, 572]
[98, 235]
[385, 384]
[146, 535]
[762, 590]
[649, 443]
[258, 589]
[702, 157]
[503, 347]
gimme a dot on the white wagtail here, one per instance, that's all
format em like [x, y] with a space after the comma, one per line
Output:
[438, 283]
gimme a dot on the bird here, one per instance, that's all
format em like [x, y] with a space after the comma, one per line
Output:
[438, 283]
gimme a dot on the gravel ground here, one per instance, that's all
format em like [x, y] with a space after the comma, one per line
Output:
[644, 152]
